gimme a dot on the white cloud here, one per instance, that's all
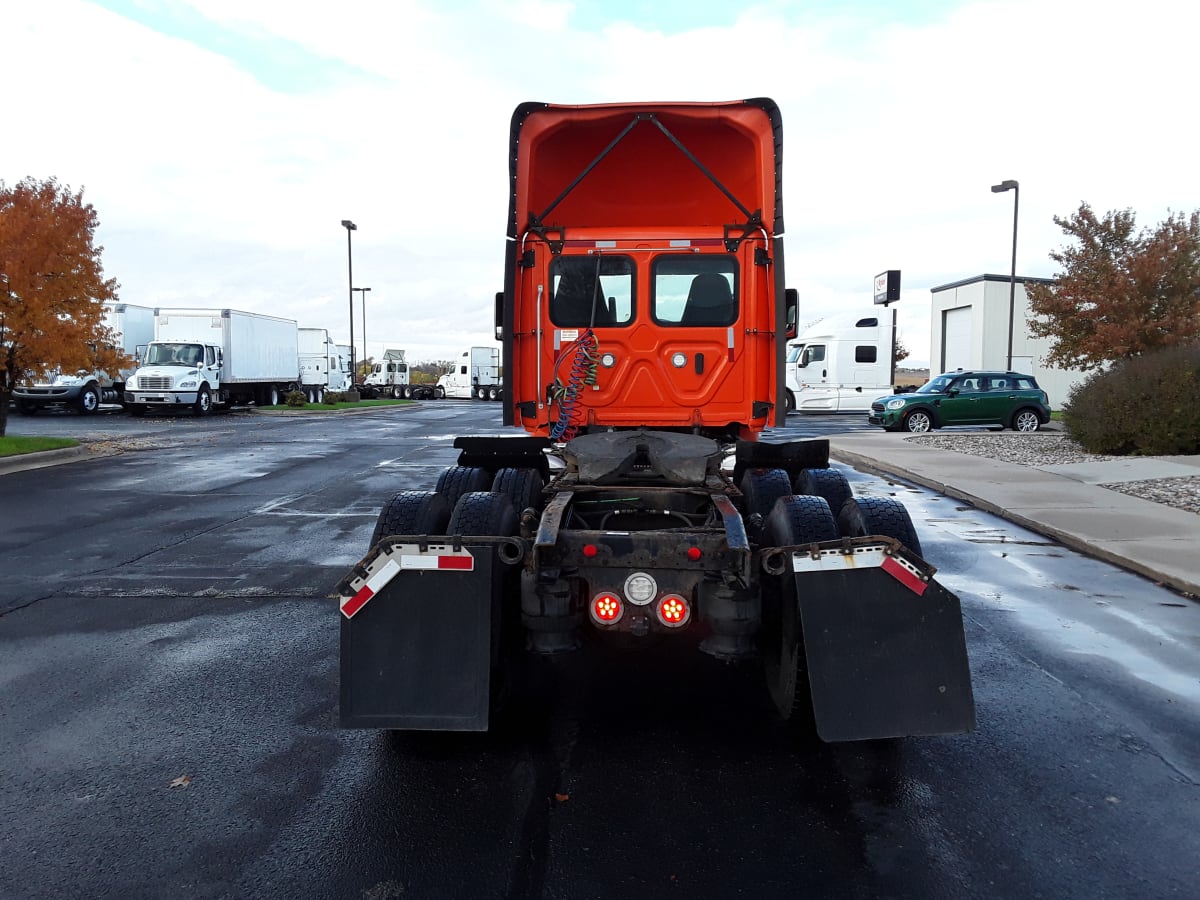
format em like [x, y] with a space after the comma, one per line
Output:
[216, 184]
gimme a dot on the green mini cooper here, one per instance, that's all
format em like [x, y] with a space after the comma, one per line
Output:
[1007, 399]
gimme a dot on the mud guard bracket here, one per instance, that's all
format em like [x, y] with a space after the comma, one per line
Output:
[885, 648]
[417, 634]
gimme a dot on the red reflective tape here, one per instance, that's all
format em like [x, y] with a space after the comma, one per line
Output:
[357, 602]
[373, 586]
[904, 575]
[465, 563]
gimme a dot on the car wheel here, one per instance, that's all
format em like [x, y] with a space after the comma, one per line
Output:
[439, 393]
[1026, 420]
[789, 401]
[27, 407]
[397, 393]
[918, 422]
[89, 400]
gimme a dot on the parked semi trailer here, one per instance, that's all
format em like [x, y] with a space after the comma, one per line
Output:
[643, 323]
[322, 365]
[201, 358]
[475, 376]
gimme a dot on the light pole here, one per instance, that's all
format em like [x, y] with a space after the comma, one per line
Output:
[350, 226]
[1000, 188]
[363, 291]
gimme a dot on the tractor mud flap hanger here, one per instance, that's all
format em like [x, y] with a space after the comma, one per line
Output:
[417, 639]
[884, 643]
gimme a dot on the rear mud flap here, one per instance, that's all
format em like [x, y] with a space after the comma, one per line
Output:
[417, 634]
[884, 644]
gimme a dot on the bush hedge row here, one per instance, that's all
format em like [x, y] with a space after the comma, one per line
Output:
[1146, 406]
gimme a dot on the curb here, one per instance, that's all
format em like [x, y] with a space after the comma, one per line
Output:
[43, 458]
[1066, 538]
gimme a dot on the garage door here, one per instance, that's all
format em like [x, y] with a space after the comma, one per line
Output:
[956, 339]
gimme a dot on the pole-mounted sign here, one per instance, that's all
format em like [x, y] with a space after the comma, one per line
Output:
[887, 287]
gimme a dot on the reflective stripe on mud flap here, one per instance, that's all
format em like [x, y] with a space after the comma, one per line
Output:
[864, 558]
[434, 557]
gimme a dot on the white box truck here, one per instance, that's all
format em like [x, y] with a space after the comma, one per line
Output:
[84, 391]
[322, 367]
[205, 357]
[841, 363]
[476, 376]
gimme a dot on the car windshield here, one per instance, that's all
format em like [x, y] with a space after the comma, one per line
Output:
[936, 385]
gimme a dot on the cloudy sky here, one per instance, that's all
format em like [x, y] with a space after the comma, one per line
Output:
[223, 141]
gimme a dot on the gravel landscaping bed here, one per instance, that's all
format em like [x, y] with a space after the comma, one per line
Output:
[1057, 449]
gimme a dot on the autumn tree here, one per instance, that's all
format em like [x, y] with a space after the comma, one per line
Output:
[1121, 293]
[899, 351]
[52, 287]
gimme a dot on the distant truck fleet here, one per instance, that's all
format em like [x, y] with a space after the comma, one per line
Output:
[195, 359]
[201, 358]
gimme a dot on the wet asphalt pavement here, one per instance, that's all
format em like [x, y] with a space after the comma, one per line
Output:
[165, 619]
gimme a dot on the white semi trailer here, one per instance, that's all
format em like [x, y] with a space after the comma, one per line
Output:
[205, 357]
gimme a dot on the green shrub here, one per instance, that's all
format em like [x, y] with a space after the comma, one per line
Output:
[295, 399]
[1147, 406]
[334, 397]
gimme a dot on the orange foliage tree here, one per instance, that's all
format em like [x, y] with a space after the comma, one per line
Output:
[52, 287]
[1120, 294]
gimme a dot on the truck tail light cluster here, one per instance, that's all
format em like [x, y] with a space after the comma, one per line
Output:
[608, 607]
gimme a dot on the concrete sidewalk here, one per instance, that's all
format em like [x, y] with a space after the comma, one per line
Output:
[1064, 502]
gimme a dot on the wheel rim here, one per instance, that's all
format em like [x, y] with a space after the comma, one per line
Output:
[1027, 421]
[204, 401]
[918, 423]
[90, 401]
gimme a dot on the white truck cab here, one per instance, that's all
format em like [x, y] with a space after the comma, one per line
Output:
[841, 363]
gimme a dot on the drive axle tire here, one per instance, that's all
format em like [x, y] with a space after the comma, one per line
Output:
[27, 407]
[828, 483]
[458, 480]
[483, 512]
[795, 520]
[762, 488]
[864, 516]
[523, 487]
[412, 512]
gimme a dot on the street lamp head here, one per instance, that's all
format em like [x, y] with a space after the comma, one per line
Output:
[348, 225]
[996, 188]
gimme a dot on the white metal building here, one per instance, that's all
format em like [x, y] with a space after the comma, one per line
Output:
[969, 330]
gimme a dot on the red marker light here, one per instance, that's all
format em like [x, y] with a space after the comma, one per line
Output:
[590, 550]
[674, 611]
[606, 608]
[693, 553]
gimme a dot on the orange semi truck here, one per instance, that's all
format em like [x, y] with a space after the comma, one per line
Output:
[643, 324]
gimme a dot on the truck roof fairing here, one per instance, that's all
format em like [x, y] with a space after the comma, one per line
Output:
[583, 165]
